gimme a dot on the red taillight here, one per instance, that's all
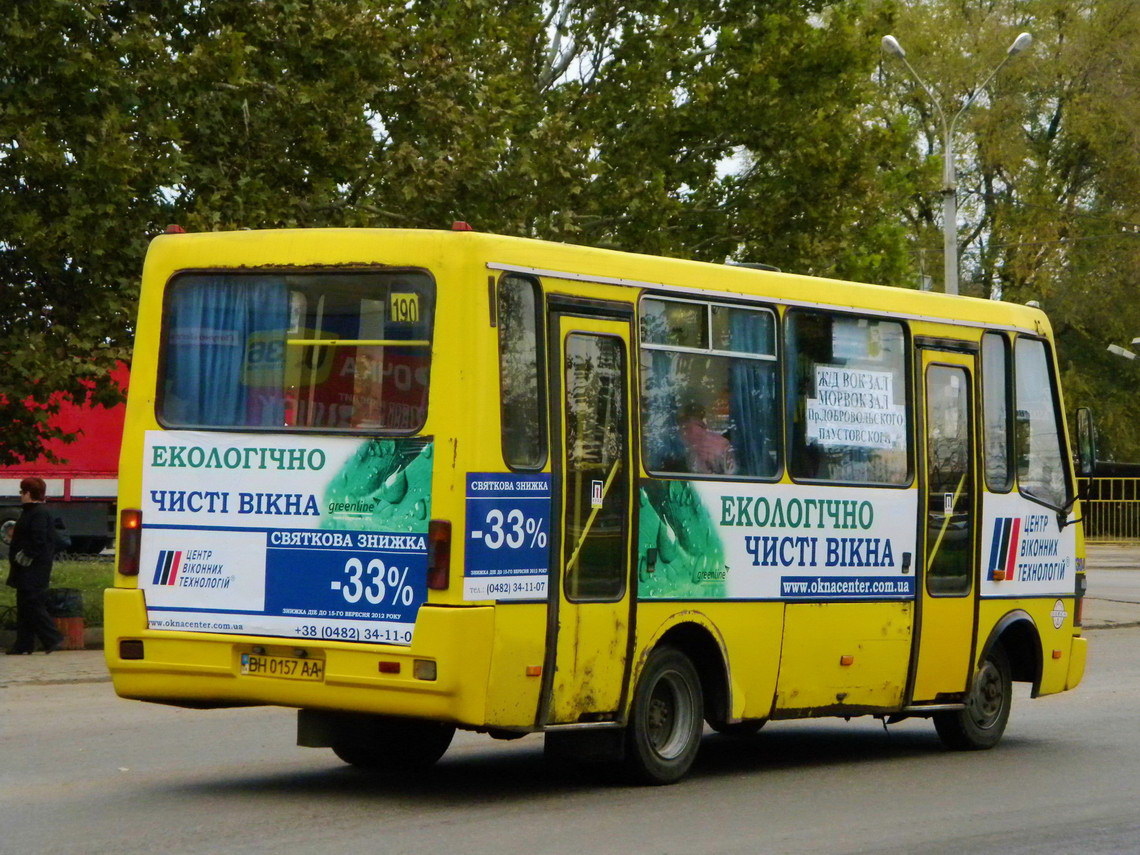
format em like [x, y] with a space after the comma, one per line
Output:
[130, 540]
[439, 555]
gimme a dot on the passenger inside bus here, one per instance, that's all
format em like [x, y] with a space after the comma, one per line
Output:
[706, 451]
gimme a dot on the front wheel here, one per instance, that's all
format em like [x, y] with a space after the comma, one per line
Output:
[666, 719]
[981, 724]
[393, 744]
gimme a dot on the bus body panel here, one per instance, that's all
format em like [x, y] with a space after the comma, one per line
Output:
[843, 654]
[514, 679]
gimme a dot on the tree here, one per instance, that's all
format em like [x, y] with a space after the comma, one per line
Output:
[613, 123]
[1049, 181]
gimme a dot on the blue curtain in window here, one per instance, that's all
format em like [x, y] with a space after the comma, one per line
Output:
[225, 358]
[753, 396]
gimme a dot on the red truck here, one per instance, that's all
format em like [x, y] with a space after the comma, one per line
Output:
[81, 491]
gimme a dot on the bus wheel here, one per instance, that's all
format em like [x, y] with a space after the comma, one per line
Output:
[665, 723]
[739, 729]
[981, 724]
[394, 744]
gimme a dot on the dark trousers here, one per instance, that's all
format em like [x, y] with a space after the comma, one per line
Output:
[33, 621]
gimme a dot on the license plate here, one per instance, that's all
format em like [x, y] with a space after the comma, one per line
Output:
[282, 667]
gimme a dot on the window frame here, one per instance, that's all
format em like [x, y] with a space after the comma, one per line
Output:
[541, 366]
[1010, 393]
[1058, 417]
[168, 291]
[775, 358]
[909, 402]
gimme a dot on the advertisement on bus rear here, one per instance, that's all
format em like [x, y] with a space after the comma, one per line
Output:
[293, 537]
[775, 542]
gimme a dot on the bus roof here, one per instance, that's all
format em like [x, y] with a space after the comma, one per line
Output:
[417, 247]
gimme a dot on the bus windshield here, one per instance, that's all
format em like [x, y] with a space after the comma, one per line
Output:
[322, 351]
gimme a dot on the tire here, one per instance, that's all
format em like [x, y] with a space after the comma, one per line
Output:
[981, 724]
[666, 720]
[739, 729]
[393, 744]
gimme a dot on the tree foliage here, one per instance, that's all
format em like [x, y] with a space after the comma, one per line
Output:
[711, 129]
[1049, 180]
[607, 123]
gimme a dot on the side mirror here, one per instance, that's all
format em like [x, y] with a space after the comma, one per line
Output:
[1086, 443]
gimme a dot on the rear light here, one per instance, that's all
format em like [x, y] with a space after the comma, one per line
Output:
[1079, 600]
[439, 555]
[130, 541]
[131, 649]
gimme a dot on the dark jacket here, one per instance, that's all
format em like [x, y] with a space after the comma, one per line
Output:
[33, 537]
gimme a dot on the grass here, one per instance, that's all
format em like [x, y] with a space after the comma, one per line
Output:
[89, 575]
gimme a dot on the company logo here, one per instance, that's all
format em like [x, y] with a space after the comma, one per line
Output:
[167, 567]
[1058, 614]
[1003, 550]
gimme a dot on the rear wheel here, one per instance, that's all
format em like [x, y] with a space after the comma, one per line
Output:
[981, 724]
[665, 723]
[394, 744]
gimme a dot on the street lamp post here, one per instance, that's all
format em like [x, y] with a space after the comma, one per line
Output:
[949, 174]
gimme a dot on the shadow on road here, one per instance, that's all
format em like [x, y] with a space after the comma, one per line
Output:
[497, 773]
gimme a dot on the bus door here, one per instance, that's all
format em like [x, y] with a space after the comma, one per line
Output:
[949, 508]
[590, 602]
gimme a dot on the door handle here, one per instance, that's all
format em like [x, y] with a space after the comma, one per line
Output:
[906, 562]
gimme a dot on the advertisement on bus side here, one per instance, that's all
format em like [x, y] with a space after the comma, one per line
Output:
[288, 536]
[742, 541]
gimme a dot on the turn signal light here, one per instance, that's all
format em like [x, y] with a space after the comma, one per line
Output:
[130, 541]
[439, 555]
[846, 659]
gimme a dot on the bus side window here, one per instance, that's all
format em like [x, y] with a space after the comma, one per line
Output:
[709, 389]
[995, 412]
[849, 419]
[523, 408]
[1041, 469]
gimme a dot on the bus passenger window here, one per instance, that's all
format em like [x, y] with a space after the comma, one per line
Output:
[709, 389]
[523, 410]
[995, 405]
[1040, 461]
[847, 399]
[301, 351]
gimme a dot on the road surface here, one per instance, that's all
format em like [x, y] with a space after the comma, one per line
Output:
[84, 771]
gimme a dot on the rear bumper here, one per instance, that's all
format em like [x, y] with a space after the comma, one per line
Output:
[204, 669]
[1077, 659]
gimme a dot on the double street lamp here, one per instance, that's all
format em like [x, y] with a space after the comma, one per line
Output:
[949, 175]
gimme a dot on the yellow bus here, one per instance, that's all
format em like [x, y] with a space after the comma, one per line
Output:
[408, 481]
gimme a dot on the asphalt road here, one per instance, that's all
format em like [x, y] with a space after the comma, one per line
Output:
[84, 771]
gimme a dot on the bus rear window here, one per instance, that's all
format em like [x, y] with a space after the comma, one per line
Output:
[304, 351]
